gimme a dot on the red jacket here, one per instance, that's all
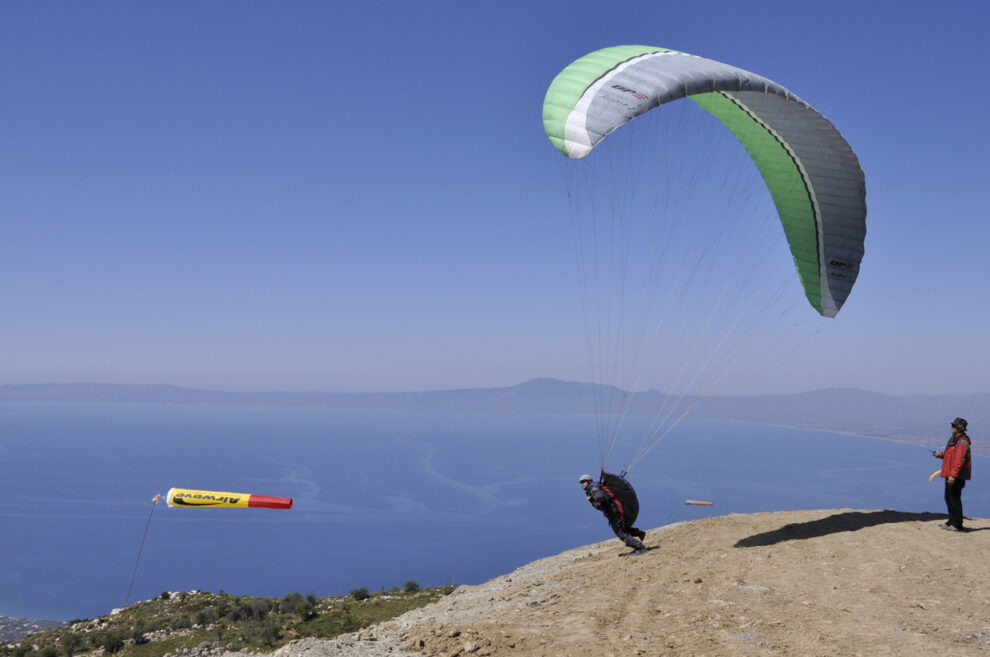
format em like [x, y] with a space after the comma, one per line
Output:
[956, 461]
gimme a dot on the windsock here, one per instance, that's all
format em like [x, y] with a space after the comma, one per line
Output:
[212, 498]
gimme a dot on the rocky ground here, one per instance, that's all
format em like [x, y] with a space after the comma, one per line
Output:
[790, 584]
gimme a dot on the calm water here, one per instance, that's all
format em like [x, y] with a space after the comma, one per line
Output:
[380, 498]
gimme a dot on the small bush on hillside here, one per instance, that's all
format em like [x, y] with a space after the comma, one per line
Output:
[72, 643]
[112, 642]
[260, 609]
[295, 604]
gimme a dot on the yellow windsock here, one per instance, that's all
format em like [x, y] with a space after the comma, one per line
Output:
[188, 497]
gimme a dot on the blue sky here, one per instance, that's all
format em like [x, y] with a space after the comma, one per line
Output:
[359, 196]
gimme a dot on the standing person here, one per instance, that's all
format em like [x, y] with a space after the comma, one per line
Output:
[956, 470]
[614, 497]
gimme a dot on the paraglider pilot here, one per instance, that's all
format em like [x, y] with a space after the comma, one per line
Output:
[956, 469]
[614, 497]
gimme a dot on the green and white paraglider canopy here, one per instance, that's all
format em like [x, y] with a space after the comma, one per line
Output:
[811, 172]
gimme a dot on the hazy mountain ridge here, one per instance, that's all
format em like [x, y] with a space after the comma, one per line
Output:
[921, 419]
[12, 629]
[918, 419]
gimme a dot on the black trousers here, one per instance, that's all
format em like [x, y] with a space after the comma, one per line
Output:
[624, 534]
[953, 502]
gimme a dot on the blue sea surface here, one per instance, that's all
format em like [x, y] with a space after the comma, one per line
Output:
[379, 498]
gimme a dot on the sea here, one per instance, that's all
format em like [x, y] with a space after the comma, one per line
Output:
[379, 498]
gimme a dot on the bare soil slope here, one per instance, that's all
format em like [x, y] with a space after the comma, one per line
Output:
[801, 584]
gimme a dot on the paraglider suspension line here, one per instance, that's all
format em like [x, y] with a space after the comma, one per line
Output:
[155, 501]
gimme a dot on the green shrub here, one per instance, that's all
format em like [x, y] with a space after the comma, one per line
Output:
[270, 633]
[72, 643]
[289, 603]
[112, 642]
[411, 586]
[137, 633]
[295, 604]
[260, 609]
[360, 594]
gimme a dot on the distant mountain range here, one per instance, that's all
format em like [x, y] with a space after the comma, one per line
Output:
[921, 419]
[14, 629]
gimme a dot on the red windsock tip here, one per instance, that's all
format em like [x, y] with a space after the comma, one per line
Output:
[267, 502]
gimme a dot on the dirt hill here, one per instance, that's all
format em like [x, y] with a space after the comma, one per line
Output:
[795, 584]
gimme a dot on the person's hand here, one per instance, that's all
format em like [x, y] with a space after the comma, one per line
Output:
[937, 454]
[950, 480]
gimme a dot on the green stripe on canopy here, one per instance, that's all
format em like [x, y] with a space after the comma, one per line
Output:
[568, 87]
[786, 184]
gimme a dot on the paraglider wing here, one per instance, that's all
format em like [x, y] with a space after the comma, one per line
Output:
[186, 497]
[623, 492]
[811, 172]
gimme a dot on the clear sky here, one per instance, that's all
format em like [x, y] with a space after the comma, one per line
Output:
[359, 196]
